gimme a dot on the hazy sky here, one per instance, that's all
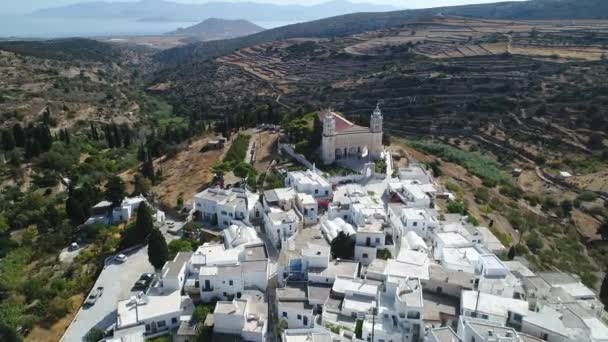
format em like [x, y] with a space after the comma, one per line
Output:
[12, 6]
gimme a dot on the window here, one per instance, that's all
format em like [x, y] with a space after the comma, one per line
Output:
[224, 213]
[161, 324]
[364, 255]
[377, 240]
[230, 214]
[316, 191]
[484, 316]
[517, 317]
[174, 320]
[415, 224]
[147, 327]
[413, 314]
[299, 316]
[327, 192]
[225, 294]
[305, 320]
[230, 283]
[284, 314]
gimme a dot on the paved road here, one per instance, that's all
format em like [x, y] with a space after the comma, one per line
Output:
[117, 280]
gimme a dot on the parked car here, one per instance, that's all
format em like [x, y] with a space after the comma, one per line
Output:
[73, 246]
[170, 223]
[94, 295]
[121, 258]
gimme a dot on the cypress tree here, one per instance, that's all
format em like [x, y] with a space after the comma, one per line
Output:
[8, 140]
[158, 253]
[144, 225]
[604, 291]
[19, 135]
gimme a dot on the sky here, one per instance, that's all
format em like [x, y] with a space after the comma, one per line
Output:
[23, 6]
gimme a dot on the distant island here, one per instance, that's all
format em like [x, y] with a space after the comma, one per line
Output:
[214, 28]
[164, 19]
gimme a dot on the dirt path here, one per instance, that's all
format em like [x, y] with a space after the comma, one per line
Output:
[265, 150]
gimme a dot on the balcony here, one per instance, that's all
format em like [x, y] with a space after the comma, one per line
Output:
[207, 289]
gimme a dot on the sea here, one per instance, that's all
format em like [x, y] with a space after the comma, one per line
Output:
[21, 26]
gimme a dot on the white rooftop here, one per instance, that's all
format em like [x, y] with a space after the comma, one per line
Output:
[343, 285]
[491, 304]
[308, 177]
[133, 310]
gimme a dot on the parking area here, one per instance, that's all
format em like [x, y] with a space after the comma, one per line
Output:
[117, 280]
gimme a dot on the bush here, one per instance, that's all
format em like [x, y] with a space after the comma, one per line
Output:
[238, 150]
[59, 307]
[511, 191]
[482, 195]
[534, 242]
[486, 169]
[383, 254]
[177, 246]
[94, 335]
[587, 196]
[456, 207]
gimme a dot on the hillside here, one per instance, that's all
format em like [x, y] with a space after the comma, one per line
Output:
[73, 49]
[361, 22]
[214, 28]
[442, 75]
[76, 80]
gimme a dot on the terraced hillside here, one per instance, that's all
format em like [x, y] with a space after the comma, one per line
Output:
[519, 86]
[76, 80]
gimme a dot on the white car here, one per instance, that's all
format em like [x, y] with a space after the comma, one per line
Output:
[121, 258]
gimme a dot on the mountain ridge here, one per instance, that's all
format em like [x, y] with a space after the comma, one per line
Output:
[251, 11]
[354, 23]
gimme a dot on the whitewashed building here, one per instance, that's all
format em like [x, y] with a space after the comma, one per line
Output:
[220, 207]
[309, 182]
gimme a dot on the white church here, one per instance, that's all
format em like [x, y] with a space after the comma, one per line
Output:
[343, 139]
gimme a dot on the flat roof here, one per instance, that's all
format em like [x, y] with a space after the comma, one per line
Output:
[318, 292]
[410, 291]
[488, 331]
[280, 217]
[413, 269]
[253, 253]
[236, 307]
[548, 319]
[292, 291]
[437, 305]
[173, 267]
[491, 304]
[152, 306]
[516, 267]
[463, 279]
[343, 285]
[280, 194]
[337, 268]
[308, 177]
[445, 334]
[306, 198]
[453, 239]
[464, 257]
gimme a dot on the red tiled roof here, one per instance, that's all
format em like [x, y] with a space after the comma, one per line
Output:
[341, 123]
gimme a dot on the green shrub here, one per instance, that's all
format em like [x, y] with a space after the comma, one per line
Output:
[456, 207]
[482, 195]
[486, 169]
[534, 242]
[587, 196]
